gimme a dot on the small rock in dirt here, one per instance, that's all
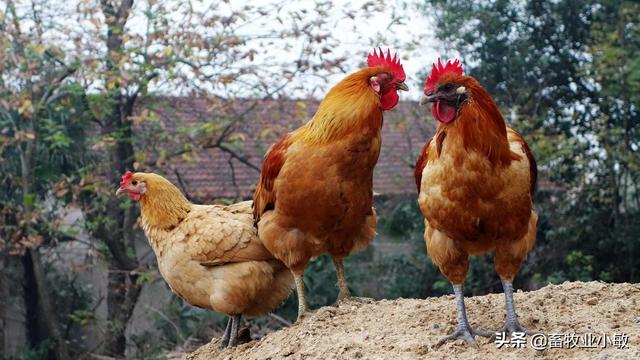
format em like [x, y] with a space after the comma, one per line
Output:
[592, 301]
[539, 302]
[422, 349]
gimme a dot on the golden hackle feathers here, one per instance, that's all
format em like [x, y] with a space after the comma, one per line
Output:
[163, 205]
[349, 106]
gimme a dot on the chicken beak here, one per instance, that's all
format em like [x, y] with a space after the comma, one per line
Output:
[120, 191]
[402, 86]
[428, 99]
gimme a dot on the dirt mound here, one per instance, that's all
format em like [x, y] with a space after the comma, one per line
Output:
[572, 315]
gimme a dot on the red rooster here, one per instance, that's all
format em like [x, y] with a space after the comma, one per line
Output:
[315, 190]
[475, 180]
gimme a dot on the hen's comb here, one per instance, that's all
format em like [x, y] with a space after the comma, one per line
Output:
[438, 71]
[125, 178]
[378, 59]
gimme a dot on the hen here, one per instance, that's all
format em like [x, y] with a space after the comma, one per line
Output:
[315, 189]
[475, 180]
[210, 255]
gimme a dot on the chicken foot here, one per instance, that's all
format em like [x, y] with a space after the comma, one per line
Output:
[302, 302]
[511, 324]
[464, 330]
[344, 292]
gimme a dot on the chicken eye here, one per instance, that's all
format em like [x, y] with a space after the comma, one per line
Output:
[134, 183]
[446, 88]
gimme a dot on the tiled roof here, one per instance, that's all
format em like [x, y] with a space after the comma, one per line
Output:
[214, 173]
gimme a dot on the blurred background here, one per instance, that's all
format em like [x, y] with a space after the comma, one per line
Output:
[198, 90]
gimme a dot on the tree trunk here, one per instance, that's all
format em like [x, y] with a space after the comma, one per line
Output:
[121, 300]
[40, 312]
[41, 319]
[119, 236]
[123, 288]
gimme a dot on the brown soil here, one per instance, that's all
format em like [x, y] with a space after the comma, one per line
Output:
[409, 328]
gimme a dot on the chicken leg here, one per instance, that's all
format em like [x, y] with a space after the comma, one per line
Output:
[511, 324]
[464, 330]
[233, 336]
[224, 342]
[342, 280]
[302, 302]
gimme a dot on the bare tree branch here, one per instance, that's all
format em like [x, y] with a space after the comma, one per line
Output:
[55, 85]
[280, 319]
[182, 185]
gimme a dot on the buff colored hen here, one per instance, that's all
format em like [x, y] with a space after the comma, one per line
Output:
[210, 255]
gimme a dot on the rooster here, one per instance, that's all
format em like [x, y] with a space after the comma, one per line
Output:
[210, 255]
[475, 180]
[315, 190]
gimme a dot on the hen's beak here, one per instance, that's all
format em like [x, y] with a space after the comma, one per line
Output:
[428, 99]
[120, 191]
[402, 86]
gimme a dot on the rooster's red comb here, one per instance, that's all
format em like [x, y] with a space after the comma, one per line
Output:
[378, 59]
[437, 72]
[125, 178]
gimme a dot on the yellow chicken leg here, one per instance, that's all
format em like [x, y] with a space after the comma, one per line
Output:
[302, 302]
[342, 280]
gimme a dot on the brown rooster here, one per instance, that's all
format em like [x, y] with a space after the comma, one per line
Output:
[210, 255]
[315, 190]
[475, 180]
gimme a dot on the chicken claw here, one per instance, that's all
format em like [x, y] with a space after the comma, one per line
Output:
[511, 324]
[464, 333]
[464, 330]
